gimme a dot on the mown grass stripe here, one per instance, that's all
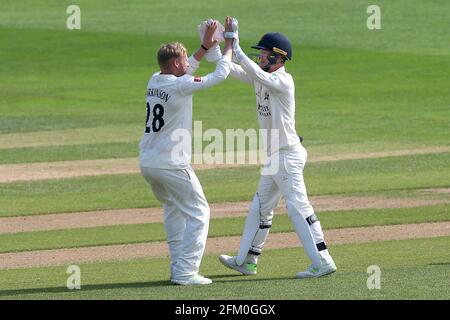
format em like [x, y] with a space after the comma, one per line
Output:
[217, 245]
[127, 234]
[76, 136]
[91, 219]
[71, 169]
[235, 184]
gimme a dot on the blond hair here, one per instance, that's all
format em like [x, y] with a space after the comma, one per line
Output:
[169, 51]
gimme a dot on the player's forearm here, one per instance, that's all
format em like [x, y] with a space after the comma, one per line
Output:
[199, 83]
[222, 69]
[249, 66]
[224, 65]
[220, 73]
[228, 49]
[193, 65]
[199, 54]
[238, 73]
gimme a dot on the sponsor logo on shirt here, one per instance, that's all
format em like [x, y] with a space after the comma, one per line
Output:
[264, 111]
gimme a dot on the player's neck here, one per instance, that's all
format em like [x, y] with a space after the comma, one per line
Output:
[172, 71]
[165, 71]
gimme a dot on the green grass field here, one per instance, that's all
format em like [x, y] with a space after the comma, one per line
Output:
[140, 233]
[410, 270]
[131, 191]
[80, 95]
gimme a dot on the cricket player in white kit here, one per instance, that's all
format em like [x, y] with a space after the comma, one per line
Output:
[275, 102]
[165, 152]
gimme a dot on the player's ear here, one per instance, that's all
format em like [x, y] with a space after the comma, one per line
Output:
[175, 62]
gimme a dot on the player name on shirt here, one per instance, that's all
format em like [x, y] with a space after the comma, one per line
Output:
[158, 93]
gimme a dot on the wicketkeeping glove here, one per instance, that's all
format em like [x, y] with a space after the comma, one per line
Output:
[237, 51]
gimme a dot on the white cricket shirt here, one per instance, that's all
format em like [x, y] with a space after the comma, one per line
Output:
[167, 139]
[275, 102]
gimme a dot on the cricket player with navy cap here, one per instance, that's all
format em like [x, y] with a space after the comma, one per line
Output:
[275, 106]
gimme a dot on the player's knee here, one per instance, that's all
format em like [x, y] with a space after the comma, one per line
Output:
[265, 224]
[312, 219]
[203, 207]
[206, 211]
[201, 222]
[201, 217]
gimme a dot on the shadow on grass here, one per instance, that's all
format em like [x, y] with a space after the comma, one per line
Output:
[244, 278]
[137, 285]
[439, 264]
[89, 287]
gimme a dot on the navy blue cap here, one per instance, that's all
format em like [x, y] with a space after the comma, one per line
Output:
[276, 42]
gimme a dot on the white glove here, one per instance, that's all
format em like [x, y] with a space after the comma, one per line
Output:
[218, 34]
[213, 54]
[237, 51]
[234, 25]
[233, 34]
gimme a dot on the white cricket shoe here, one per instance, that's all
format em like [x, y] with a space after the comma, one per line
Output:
[311, 272]
[192, 281]
[230, 262]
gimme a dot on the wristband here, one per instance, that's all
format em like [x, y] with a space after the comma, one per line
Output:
[203, 47]
[230, 34]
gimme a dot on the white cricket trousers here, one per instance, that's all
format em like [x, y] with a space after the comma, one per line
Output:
[186, 217]
[285, 179]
